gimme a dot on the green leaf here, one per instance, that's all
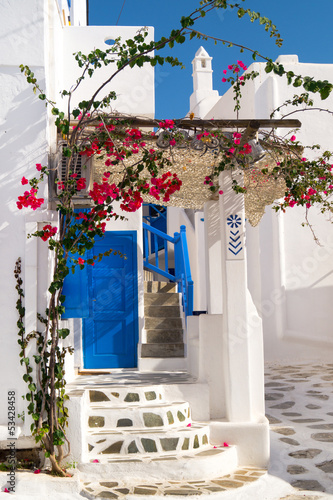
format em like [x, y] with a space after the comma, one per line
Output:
[63, 333]
[297, 82]
[325, 92]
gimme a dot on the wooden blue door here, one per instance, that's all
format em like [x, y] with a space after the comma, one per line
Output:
[110, 322]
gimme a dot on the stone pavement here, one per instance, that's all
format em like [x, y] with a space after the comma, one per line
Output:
[299, 402]
[299, 406]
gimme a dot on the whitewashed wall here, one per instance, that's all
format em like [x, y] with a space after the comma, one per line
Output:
[23, 131]
[33, 33]
[290, 276]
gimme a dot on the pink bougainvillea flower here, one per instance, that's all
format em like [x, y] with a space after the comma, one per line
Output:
[24, 181]
[225, 445]
[37, 471]
[230, 66]
[81, 184]
[225, 71]
[293, 138]
[236, 70]
[241, 78]
[80, 261]
[172, 142]
[49, 231]
[189, 425]
[224, 80]
[96, 461]
[220, 192]
[39, 167]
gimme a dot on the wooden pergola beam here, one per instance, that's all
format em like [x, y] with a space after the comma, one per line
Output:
[186, 123]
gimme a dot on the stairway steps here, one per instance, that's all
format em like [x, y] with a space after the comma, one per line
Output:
[163, 323]
[119, 396]
[160, 299]
[147, 441]
[162, 416]
[160, 287]
[164, 311]
[199, 465]
[160, 350]
[159, 336]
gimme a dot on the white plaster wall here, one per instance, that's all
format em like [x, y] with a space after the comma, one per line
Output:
[213, 258]
[23, 121]
[290, 277]
[32, 34]
[196, 248]
[78, 13]
[134, 87]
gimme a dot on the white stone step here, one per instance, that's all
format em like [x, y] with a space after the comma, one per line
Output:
[163, 350]
[126, 396]
[161, 299]
[199, 465]
[163, 415]
[160, 287]
[146, 441]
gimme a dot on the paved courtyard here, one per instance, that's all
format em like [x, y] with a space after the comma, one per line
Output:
[299, 406]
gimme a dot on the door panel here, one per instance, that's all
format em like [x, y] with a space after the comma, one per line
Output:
[110, 334]
[109, 309]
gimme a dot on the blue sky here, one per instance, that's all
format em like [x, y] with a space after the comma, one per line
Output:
[304, 26]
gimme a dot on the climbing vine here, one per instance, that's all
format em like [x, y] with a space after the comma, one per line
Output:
[132, 169]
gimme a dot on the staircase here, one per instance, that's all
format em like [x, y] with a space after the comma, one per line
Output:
[163, 321]
[133, 432]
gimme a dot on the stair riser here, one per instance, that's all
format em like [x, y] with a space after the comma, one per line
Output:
[160, 287]
[162, 417]
[180, 441]
[196, 467]
[162, 311]
[161, 299]
[164, 336]
[126, 396]
[163, 323]
[162, 350]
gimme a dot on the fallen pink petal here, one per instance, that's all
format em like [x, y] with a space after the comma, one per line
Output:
[95, 461]
[189, 425]
[225, 445]
[37, 471]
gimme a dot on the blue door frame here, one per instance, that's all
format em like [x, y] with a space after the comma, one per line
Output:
[105, 296]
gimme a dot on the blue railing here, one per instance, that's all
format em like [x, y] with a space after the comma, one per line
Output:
[157, 218]
[182, 271]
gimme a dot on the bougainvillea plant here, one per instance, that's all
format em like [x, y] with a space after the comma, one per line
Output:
[132, 169]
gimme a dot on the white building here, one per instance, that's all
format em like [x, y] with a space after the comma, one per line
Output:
[224, 348]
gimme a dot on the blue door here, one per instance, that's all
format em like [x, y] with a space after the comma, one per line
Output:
[109, 290]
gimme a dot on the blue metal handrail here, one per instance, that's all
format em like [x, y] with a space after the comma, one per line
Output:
[182, 273]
